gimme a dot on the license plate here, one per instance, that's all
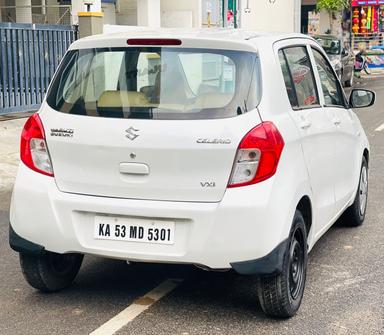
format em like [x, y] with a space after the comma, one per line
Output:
[134, 230]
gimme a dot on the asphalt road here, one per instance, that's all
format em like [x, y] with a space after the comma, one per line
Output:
[344, 293]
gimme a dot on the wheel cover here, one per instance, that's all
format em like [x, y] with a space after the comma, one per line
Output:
[296, 266]
[363, 190]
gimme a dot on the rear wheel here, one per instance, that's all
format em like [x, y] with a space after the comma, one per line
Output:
[354, 215]
[50, 272]
[280, 294]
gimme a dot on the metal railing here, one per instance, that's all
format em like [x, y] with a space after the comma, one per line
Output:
[52, 14]
[29, 56]
[368, 40]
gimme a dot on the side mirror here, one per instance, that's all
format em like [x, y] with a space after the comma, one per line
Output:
[360, 98]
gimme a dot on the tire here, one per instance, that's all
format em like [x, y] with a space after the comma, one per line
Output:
[355, 214]
[50, 272]
[280, 294]
[349, 83]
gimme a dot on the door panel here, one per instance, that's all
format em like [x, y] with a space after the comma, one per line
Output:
[318, 141]
[316, 130]
[346, 145]
[345, 134]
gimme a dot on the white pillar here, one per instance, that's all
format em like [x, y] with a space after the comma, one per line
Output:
[23, 11]
[79, 6]
[43, 9]
[297, 15]
[148, 13]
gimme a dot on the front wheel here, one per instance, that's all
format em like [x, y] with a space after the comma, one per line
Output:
[50, 272]
[280, 294]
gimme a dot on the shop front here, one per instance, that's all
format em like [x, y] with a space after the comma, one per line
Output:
[367, 22]
[368, 30]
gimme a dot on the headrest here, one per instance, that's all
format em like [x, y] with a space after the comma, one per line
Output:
[118, 99]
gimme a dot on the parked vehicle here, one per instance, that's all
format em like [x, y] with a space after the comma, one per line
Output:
[361, 63]
[223, 149]
[341, 57]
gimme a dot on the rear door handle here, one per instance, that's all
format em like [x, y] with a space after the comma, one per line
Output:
[305, 124]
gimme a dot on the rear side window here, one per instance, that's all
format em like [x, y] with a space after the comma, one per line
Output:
[298, 77]
[155, 83]
[288, 80]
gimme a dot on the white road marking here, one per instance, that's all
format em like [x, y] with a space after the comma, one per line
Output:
[380, 128]
[136, 308]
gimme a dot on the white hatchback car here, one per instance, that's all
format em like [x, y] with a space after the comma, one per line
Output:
[220, 148]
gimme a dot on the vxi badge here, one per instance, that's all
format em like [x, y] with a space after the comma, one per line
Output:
[131, 133]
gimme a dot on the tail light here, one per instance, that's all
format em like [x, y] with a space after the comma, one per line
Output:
[33, 148]
[257, 156]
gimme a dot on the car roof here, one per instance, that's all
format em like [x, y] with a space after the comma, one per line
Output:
[215, 38]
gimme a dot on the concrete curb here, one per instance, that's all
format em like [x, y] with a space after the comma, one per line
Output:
[13, 116]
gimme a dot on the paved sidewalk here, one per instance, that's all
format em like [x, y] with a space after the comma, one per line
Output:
[9, 151]
[375, 72]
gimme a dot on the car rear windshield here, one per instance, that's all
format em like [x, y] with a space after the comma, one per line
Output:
[331, 46]
[155, 83]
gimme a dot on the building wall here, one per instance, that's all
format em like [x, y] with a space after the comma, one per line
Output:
[193, 7]
[325, 23]
[109, 12]
[282, 15]
[23, 14]
[126, 12]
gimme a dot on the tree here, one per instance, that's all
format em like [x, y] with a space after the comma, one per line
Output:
[333, 6]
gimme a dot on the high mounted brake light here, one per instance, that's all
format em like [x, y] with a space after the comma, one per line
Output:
[153, 41]
[257, 156]
[33, 147]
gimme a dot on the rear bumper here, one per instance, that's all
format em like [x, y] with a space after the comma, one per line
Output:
[244, 231]
[20, 244]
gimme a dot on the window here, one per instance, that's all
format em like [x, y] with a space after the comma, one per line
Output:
[287, 79]
[333, 94]
[330, 45]
[155, 83]
[298, 77]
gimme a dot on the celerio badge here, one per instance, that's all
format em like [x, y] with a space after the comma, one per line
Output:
[131, 133]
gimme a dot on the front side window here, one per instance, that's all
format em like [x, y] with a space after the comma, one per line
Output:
[155, 83]
[298, 77]
[333, 95]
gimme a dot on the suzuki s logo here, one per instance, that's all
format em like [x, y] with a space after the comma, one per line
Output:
[131, 133]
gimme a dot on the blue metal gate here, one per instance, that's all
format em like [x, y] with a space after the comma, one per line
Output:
[29, 55]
